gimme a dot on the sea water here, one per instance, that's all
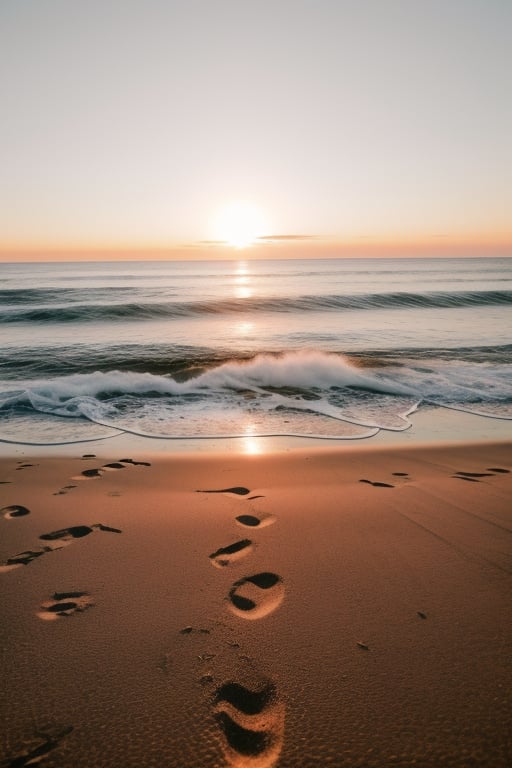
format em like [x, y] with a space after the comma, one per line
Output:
[335, 348]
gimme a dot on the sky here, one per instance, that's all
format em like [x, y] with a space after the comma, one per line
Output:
[196, 128]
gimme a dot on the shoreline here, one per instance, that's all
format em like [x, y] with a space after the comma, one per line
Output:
[429, 426]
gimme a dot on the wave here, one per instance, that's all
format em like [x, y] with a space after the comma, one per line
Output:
[303, 393]
[84, 312]
[183, 362]
[180, 361]
[302, 370]
[267, 395]
[21, 296]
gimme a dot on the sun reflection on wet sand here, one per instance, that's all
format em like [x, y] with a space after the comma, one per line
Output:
[251, 444]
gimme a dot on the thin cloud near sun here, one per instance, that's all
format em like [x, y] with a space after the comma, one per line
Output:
[262, 239]
[288, 237]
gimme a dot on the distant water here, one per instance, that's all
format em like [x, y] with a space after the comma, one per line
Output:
[326, 348]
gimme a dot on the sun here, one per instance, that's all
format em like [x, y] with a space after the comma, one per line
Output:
[240, 224]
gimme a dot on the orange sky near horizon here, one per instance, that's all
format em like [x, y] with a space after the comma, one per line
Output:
[288, 247]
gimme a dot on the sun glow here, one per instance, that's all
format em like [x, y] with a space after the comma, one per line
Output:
[240, 224]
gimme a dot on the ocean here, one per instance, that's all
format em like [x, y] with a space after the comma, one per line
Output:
[337, 348]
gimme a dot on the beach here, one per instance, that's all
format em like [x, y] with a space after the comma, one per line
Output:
[345, 605]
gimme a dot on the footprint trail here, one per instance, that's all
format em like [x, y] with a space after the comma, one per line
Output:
[112, 466]
[250, 715]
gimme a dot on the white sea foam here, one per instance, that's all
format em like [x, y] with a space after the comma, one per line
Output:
[298, 393]
[288, 397]
[303, 369]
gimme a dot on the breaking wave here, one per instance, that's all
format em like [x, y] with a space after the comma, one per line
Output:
[302, 393]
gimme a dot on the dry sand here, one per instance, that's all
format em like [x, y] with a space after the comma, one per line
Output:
[343, 607]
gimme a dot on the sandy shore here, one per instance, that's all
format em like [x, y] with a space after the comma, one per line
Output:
[342, 607]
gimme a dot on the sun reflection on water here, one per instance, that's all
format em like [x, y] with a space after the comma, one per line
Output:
[243, 293]
[242, 281]
[243, 328]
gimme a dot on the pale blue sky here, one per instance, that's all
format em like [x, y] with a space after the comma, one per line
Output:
[128, 121]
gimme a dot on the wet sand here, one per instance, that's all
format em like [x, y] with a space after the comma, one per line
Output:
[324, 607]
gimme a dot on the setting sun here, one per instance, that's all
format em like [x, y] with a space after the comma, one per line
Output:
[239, 224]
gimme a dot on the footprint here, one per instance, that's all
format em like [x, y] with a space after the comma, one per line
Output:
[66, 534]
[65, 489]
[87, 473]
[64, 537]
[377, 484]
[233, 552]
[23, 558]
[23, 465]
[64, 604]
[472, 476]
[14, 510]
[135, 463]
[251, 722]
[254, 597]
[238, 490]
[43, 743]
[193, 630]
[251, 521]
[111, 466]
[400, 474]
[76, 532]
